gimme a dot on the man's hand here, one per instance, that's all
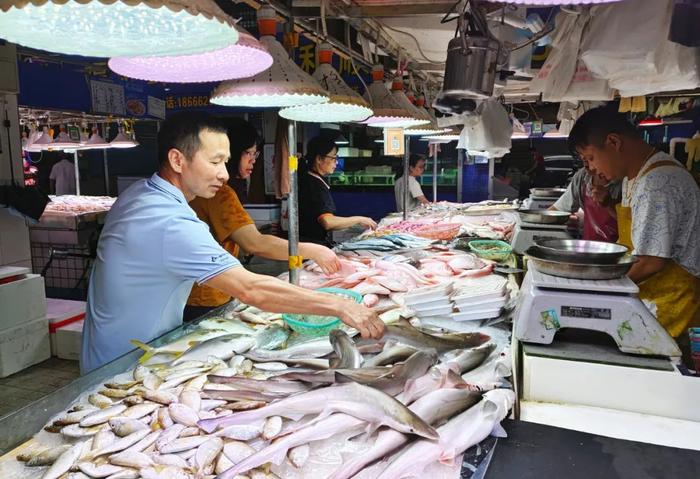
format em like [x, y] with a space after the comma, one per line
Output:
[324, 258]
[366, 222]
[363, 319]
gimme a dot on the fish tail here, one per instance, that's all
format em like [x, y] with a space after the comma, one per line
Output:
[149, 351]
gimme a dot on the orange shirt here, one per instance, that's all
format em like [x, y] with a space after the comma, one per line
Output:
[224, 214]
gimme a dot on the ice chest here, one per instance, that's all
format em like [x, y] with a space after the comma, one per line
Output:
[60, 313]
[68, 340]
[24, 346]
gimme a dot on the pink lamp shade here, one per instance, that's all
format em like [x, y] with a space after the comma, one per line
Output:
[244, 59]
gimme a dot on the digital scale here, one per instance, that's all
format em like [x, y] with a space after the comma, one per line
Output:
[538, 202]
[590, 356]
[525, 234]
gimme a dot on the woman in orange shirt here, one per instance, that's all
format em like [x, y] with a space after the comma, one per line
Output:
[232, 227]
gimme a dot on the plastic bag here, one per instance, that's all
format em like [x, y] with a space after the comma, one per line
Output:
[563, 76]
[488, 132]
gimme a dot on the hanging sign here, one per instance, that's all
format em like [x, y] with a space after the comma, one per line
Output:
[393, 141]
[107, 98]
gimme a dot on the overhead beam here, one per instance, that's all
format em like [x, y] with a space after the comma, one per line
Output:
[378, 11]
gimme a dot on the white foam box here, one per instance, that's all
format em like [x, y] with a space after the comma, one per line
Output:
[23, 346]
[22, 300]
[61, 312]
[68, 340]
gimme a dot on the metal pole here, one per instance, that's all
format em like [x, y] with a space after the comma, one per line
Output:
[435, 159]
[77, 172]
[460, 168]
[406, 154]
[492, 172]
[294, 259]
[106, 168]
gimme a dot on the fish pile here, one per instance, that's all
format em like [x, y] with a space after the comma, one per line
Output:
[434, 230]
[383, 281]
[240, 404]
[385, 243]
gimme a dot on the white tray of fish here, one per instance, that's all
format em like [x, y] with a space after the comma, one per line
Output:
[490, 303]
[477, 286]
[429, 293]
[442, 310]
[476, 315]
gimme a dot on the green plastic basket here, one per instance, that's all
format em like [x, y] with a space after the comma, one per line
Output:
[495, 250]
[312, 325]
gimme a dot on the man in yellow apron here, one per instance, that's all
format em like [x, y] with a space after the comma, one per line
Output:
[658, 219]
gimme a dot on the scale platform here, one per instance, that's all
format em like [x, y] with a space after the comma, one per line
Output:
[539, 202]
[549, 304]
[525, 234]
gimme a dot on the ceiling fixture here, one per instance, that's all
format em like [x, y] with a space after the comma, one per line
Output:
[110, 28]
[388, 113]
[123, 140]
[95, 142]
[429, 129]
[33, 135]
[441, 138]
[397, 92]
[63, 141]
[242, 60]
[43, 142]
[344, 104]
[282, 85]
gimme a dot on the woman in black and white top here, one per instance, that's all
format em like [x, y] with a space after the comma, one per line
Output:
[316, 206]
[416, 167]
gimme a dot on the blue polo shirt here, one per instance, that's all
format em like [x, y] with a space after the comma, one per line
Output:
[151, 250]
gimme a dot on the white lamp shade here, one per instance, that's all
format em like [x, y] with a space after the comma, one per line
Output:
[43, 142]
[110, 28]
[95, 141]
[122, 140]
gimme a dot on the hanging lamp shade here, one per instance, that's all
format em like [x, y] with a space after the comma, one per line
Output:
[43, 142]
[63, 141]
[96, 141]
[241, 60]
[344, 104]
[388, 113]
[401, 99]
[282, 85]
[111, 28]
[429, 129]
[33, 135]
[122, 140]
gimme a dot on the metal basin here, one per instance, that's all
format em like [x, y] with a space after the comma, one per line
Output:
[547, 217]
[547, 192]
[576, 270]
[581, 251]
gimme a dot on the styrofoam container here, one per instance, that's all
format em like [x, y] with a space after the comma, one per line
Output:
[476, 315]
[61, 312]
[68, 340]
[485, 286]
[444, 301]
[23, 346]
[441, 311]
[429, 293]
[21, 301]
[481, 304]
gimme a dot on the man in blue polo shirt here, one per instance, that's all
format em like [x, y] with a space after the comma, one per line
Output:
[153, 248]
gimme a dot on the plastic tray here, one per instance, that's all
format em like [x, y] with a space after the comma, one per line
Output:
[476, 315]
[442, 310]
[444, 301]
[491, 303]
[429, 293]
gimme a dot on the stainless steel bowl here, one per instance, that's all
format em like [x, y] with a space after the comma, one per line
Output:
[547, 217]
[547, 192]
[581, 251]
[576, 270]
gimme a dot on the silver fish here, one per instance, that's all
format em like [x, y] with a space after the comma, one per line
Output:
[183, 414]
[99, 400]
[272, 427]
[43, 458]
[259, 385]
[311, 363]
[390, 355]
[140, 372]
[183, 444]
[121, 443]
[74, 417]
[231, 326]
[123, 426]
[64, 462]
[354, 399]
[210, 404]
[140, 410]
[237, 451]
[164, 472]
[133, 459]
[221, 347]
[207, 453]
[242, 432]
[273, 337]
[161, 397]
[196, 384]
[169, 460]
[190, 431]
[469, 359]
[102, 416]
[126, 385]
[235, 395]
[98, 471]
[298, 455]
[169, 435]
[146, 442]
[271, 366]
[75, 430]
[315, 348]
[405, 333]
[348, 355]
[191, 399]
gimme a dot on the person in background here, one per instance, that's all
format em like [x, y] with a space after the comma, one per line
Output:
[416, 197]
[232, 227]
[597, 198]
[63, 177]
[153, 248]
[537, 170]
[317, 216]
[658, 219]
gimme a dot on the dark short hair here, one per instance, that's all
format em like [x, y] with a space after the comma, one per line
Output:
[242, 135]
[413, 160]
[318, 146]
[594, 126]
[181, 131]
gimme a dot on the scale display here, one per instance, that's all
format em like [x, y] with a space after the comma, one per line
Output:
[580, 312]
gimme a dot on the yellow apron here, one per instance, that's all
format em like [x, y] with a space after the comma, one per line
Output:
[675, 291]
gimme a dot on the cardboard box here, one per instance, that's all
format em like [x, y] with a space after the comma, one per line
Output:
[23, 346]
[22, 301]
[61, 312]
[68, 340]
